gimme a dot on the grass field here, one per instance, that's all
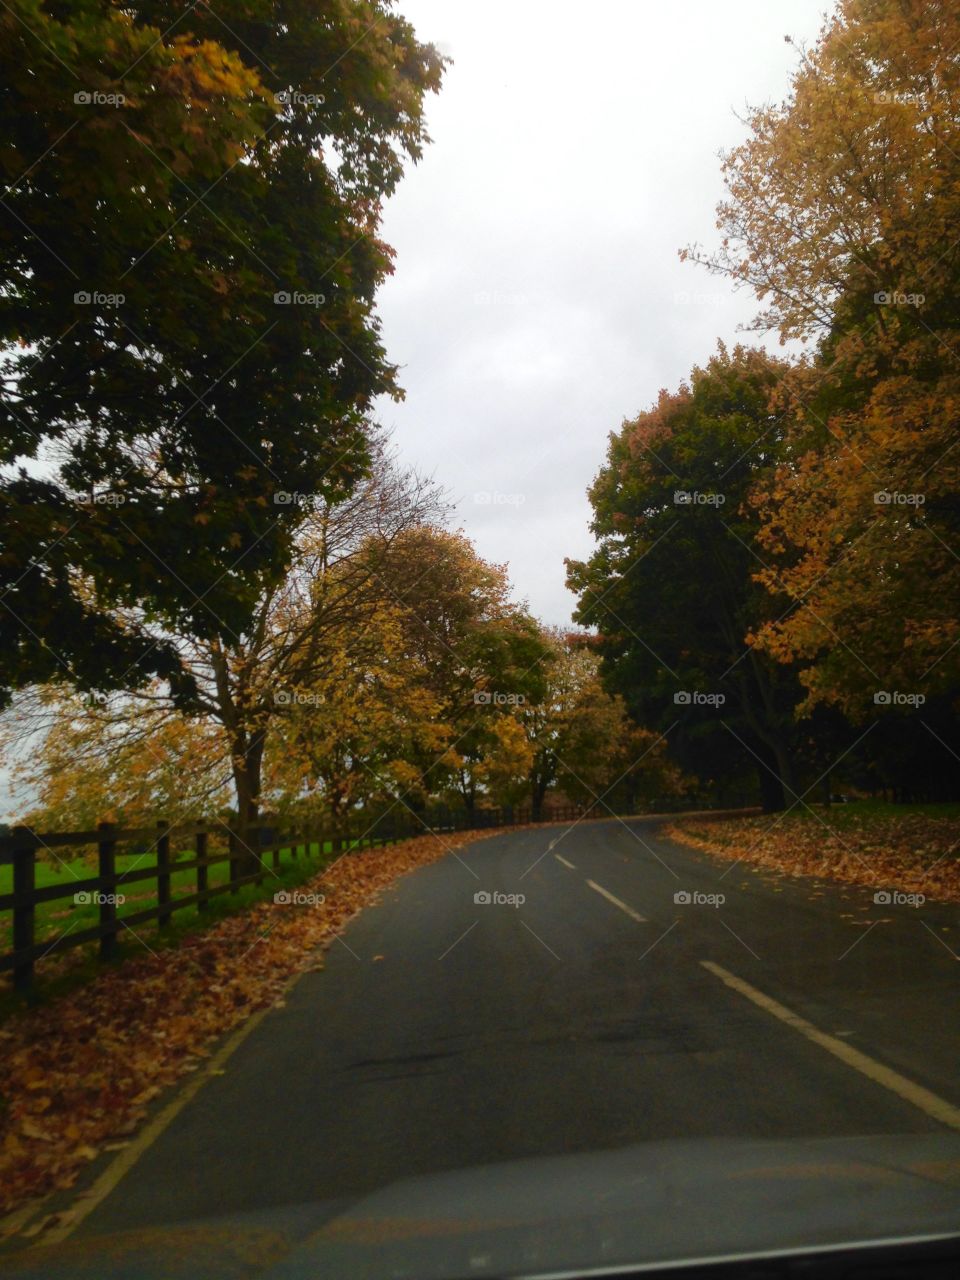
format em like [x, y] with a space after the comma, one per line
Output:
[859, 811]
[63, 916]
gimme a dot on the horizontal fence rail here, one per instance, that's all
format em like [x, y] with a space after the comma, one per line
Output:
[162, 851]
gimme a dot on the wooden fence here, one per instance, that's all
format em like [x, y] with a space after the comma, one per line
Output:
[163, 850]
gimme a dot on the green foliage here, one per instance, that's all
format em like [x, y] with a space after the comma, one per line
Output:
[671, 586]
[217, 160]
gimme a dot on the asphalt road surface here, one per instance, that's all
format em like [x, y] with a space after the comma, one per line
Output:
[446, 1032]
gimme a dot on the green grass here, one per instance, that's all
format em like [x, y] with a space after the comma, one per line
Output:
[54, 918]
[877, 811]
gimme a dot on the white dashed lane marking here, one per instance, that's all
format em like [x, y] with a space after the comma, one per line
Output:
[634, 915]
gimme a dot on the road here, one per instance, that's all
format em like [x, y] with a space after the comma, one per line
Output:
[599, 1012]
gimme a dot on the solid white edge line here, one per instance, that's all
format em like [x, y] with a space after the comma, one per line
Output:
[919, 1097]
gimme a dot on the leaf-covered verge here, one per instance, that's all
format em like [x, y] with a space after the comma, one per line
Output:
[80, 1072]
[914, 851]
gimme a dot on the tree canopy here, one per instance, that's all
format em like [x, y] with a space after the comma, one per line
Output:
[190, 259]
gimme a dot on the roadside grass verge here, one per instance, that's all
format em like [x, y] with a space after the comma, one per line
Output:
[907, 848]
[71, 966]
[56, 917]
[75, 966]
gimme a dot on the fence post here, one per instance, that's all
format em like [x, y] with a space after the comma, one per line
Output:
[203, 879]
[163, 874]
[107, 870]
[24, 887]
[234, 849]
[253, 842]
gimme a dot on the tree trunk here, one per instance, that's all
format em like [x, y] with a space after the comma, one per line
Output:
[247, 770]
[771, 787]
[785, 769]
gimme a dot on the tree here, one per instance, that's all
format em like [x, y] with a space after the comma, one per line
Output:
[671, 586]
[103, 760]
[841, 214]
[208, 345]
[581, 738]
[327, 606]
[848, 187]
[504, 770]
[481, 652]
[346, 735]
[860, 534]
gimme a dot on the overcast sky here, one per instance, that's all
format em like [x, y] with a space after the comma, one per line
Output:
[538, 298]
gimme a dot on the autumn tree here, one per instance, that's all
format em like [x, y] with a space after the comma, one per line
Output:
[841, 214]
[504, 769]
[105, 760]
[334, 588]
[481, 652]
[326, 606]
[671, 587]
[189, 259]
[348, 733]
[582, 740]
